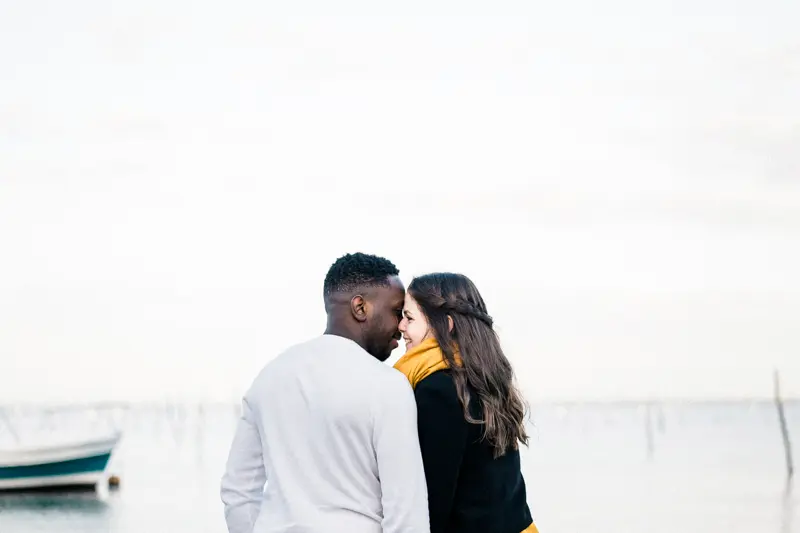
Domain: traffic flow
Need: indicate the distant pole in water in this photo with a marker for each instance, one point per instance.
(787, 444)
(648, 428)
(9, 426)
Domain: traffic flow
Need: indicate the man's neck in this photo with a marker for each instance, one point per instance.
(335, 327)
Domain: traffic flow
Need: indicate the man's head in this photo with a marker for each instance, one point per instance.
(364, 300)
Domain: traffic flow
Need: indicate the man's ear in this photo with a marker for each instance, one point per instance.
(358, 307)
(449, 323)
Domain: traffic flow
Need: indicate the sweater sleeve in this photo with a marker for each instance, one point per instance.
(443, 434)
(243, 482)
(400, 466)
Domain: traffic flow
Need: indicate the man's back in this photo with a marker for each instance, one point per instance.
(333, 432)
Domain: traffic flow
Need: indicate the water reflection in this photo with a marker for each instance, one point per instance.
(82, 502)
(787, 509)
(55, 512)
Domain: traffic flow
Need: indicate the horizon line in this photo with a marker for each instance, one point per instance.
(166, 402)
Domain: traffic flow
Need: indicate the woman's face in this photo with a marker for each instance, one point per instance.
(414, 326)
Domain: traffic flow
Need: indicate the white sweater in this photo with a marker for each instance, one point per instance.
(333, 434)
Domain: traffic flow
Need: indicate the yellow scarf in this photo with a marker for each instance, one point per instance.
(422, 361)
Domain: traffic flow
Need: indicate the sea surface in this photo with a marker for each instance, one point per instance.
(590, 468)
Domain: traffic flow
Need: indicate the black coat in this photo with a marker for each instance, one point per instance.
(469, 491)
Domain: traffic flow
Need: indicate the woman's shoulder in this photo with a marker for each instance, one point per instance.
(441, 379)
(439, 389)
(439, 384)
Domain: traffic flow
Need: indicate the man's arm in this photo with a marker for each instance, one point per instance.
(402, 476)
(242, 484)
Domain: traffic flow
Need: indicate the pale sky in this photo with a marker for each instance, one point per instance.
(621, 180)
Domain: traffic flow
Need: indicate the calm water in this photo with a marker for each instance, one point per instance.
(591, 469)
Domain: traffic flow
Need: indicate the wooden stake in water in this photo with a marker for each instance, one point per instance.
(648, 430)
(787, 444)
(9, 426)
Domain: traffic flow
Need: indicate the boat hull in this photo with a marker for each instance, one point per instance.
(73, 465)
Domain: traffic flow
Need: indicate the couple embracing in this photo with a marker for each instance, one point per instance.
(332, 439)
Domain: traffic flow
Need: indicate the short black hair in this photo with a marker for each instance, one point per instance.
(357, 270)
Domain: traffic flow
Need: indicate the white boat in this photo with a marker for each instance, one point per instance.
(81, 463)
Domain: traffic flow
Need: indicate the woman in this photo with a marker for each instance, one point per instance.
(470, 415)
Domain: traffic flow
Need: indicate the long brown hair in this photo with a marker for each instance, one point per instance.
(484, 367)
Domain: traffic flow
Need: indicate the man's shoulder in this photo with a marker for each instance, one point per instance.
(337, 354)
(391, 377)
(286, 359)
(314, 345)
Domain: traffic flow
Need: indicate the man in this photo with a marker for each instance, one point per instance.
(329, 428)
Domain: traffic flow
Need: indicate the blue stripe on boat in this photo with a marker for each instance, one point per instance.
(83, 465)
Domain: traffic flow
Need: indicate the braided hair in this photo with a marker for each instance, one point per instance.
(462, 307)
(484, 368)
